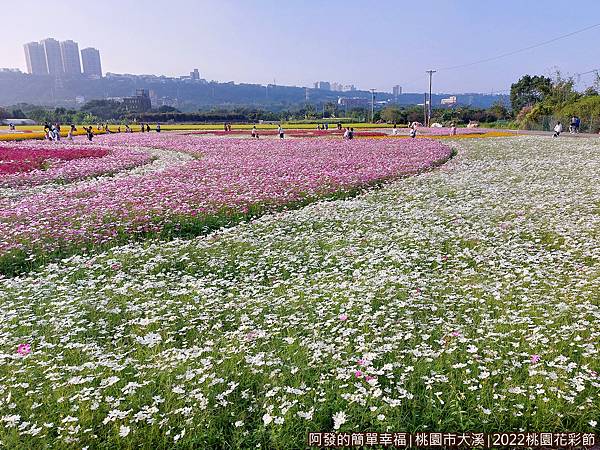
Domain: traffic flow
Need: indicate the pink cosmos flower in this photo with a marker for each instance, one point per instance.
(535, 359)
(358, 374)
(369, 378)
(361, 362)
(343, 317)
(455, 334)
(24, 349)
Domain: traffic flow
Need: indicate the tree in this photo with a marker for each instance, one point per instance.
(393, 114)
(499, 111)
(168, 109)
(3, 113)
(18, 114)
(104, 109)
(529, 90)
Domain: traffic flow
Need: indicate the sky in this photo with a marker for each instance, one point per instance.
(371, 44)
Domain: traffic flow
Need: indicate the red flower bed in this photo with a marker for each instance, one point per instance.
(24, 159)
(289, 133)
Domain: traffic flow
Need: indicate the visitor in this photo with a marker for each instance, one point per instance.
(413, 130)
(143, 128)
(339, 125)
(346, 133)
(558, 129)
(254, 133)
(281, 132)
(326, 126)
(119, 129)
(573, 125)
(225, 127)
(148, 128)
(57, 132)
(577, 124)
(452, 129)
(158, 127)
(127, 129)
(89, 133)
(72, 130)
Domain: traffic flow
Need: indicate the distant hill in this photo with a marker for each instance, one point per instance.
(189, 95)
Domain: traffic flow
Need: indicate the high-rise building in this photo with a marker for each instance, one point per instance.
(90, 57)
(35, 58)
(397, 90)
(195, 75)
(140, 103)
(325, 85)
(69, 51)
(53, 56)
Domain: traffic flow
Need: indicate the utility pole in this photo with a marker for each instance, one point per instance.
(430, 72)
(372, 105)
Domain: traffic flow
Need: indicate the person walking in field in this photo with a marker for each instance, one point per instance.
(346, 133)
(148, 128)
(254, 132)
(281, 132)
(558, 129)
(158, 127)
(72, 130)
(89, 133)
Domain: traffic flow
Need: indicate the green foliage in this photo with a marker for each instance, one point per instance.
(18, 114)
(104, 109)
(168, 109)
(529, 90)
(393, 114)
(587, 108)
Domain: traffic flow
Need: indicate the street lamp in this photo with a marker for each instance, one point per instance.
(372, 105)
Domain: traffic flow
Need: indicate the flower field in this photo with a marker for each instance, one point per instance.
(18, 159)
(38, 163)
(465, 298)
(230, 180)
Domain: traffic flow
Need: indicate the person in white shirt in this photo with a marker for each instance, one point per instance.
(346, 133)
(558, 129)
(281, 132)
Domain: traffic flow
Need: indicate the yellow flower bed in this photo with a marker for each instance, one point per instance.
(39, 134)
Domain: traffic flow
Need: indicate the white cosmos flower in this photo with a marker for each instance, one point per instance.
(124, 431)
(339, 418)
(267, 419)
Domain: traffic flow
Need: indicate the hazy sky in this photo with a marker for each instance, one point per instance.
(367, 43)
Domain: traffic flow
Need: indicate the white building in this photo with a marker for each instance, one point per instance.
(69, 51)
(35, 57)
(449, 101)
(53, 56)
(90, 58)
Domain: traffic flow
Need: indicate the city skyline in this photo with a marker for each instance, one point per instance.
(51, 57)
(298, 44)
